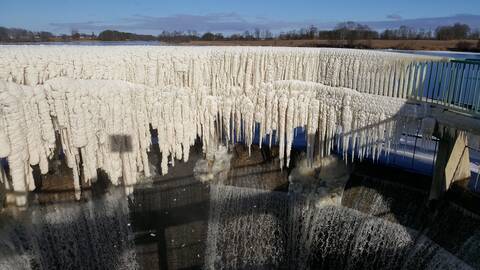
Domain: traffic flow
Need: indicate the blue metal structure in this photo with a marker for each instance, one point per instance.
(454, 84)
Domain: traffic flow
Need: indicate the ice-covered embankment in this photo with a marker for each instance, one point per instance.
(103, 101)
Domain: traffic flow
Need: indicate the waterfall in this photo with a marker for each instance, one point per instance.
(247, 229)
(83, 235)
(254, 229)
(102, 102)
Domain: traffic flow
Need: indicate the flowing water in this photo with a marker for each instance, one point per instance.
(86, 235)
(179, 222)
(254, 229)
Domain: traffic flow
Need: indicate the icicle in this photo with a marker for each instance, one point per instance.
(260, 116)
(227, 110)
(269, 109)
(346, 124)
(4, 141)
(289, 127)
(281, 131)
(312, 127)
(209, 92)
(323, 129)
(248, 120)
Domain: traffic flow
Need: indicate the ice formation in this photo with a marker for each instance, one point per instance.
(322, 182)
(218, 68)
(26, 135)
(213, 168)
(103, 102)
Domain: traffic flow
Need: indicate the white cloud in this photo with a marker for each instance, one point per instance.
(216, 22)
(233, 22)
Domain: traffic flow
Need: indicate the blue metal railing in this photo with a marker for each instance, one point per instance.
(454, 84)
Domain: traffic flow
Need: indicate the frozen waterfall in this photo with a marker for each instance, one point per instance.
(102, 102)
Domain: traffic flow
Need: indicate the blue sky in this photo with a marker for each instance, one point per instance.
(153, 16)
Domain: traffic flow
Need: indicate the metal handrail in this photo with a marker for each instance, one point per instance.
(454, 84)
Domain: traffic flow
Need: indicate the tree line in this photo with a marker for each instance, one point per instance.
(346, 33)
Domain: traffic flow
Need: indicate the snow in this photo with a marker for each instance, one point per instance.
(102, 102)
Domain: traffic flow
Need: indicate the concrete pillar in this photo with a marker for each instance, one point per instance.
(452, 163)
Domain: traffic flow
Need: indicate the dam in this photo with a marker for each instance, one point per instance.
(186, 158)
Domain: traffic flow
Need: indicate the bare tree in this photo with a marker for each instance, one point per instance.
(257, 33)
(75, 34)
(312, 31)
(457, 31)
